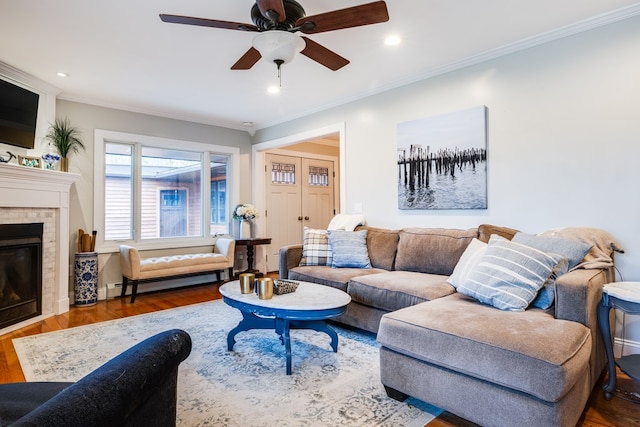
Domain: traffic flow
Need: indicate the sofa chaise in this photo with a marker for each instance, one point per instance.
(441, 344)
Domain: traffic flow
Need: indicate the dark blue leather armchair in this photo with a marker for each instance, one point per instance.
(136, 388)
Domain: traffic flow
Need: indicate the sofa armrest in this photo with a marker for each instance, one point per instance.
(290, 257)
(130, 262)
(578, 294)
(226, 247)
(138, 387)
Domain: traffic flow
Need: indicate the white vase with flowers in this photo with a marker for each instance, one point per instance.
(244, 214)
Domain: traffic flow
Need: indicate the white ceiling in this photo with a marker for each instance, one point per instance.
(119, 54)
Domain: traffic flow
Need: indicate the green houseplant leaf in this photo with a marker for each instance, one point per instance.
(64, 137)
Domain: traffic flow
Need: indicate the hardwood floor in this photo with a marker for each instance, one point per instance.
(598, 413)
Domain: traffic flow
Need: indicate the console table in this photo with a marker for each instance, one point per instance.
(250, 244)
(624, 296)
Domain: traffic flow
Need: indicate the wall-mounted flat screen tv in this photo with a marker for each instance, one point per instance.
(18, 115)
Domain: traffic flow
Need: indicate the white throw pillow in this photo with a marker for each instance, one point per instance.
(467, 262)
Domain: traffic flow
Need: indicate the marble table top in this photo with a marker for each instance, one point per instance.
(627, 291)
(308, 296)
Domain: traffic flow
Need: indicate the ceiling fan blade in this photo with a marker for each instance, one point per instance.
(276, 5)
(356, 16)
(322, 55)
(247, 60)
(203, 22)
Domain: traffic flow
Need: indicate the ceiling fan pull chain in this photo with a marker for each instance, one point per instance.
(279, 63)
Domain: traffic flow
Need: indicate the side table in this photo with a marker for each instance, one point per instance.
(250, 244)
(624, 296)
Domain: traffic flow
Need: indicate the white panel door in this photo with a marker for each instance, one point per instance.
(317, 193)
(284, 210)
(300, 193)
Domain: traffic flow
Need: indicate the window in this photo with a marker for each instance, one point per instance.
(152, 192)
(218, 205)
(170, 193)
(118, 192)
(318, 176)
(173, 213)
(283, 173)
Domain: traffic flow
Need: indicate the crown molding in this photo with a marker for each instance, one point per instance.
(26, 80)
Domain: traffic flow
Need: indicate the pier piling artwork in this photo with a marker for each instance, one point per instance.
(442, 161)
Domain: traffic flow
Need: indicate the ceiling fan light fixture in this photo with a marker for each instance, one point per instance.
(277, 45)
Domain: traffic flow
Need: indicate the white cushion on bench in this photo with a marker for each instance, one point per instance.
(136, 268)
(180, 264)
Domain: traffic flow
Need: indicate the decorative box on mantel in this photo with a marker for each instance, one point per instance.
(29, 195)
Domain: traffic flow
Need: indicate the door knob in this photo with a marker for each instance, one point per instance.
(299, 218)
(306, 218)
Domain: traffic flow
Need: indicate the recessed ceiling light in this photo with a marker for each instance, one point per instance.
(247, 124)
(273, 89)
(61, 74)
(392, 40)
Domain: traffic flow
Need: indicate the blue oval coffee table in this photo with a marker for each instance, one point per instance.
(307, 308)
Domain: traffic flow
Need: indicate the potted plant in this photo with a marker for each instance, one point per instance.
(65, 138)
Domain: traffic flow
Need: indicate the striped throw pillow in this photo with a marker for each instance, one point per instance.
(315, 248)
(509, 275)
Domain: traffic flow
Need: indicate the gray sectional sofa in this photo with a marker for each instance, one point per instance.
(493, 367)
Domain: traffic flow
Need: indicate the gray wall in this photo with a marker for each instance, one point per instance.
(563, 139)
(89, 117)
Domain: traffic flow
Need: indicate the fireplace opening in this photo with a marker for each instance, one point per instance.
(20, 272)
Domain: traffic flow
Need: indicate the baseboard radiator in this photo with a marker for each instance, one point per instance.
(114, 289)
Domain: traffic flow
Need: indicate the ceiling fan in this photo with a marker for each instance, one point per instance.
(277, 21)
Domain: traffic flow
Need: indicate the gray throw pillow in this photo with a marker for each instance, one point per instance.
(573, 250)
(349, 249)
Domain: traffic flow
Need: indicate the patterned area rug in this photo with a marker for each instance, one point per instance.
(244, 387)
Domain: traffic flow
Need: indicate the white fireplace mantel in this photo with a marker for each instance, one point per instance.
(23, 187)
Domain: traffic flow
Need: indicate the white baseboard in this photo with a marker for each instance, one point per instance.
(628, 346)
(113, 290)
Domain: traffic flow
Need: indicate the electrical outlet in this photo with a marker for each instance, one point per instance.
(240, 256)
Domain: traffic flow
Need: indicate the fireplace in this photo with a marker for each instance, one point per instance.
(20, 272)
(33, 195)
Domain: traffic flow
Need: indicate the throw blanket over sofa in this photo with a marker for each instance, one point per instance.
(422, 292)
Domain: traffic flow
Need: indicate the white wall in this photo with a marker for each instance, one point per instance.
(563, 132)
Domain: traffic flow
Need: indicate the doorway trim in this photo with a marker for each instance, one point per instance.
(258, 160)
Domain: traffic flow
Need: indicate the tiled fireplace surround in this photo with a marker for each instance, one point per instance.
(30, 195)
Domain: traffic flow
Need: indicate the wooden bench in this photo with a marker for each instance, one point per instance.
(136, 269)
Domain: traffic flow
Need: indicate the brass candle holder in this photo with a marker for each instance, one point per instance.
(247, 282)
(265, 288)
